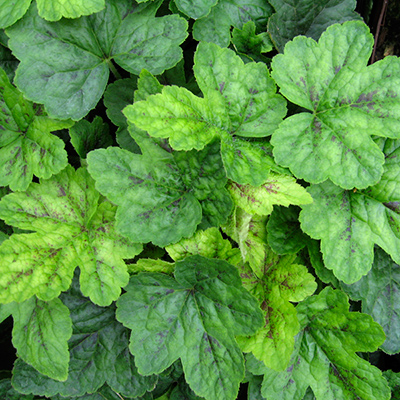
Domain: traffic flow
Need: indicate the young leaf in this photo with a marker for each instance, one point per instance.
(278, 189)
(40, 334)
(53, 10)
(325, 354)
(27, 146)
(162, 198)
(236, 106)
(379, 292)
(10, 11)
(71, 228)
(349, 224)
(307, 17)
(67, 65)
(193, 317)
(281, 281)
(98, 354)
(215, 27)
(348, 102)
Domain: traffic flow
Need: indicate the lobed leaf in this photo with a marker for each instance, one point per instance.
(53, 10)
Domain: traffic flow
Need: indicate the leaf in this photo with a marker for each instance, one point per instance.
(349, 224)
(87, 136)
(7, 392)
(215, 27)
(196, 9)
(347, 101)
(71, 227)
(236, 107)
(8, 62)
(394, 382)
(162, 197)
(277, 282)
(67, 65)
(10, 11)
(284, 233)
(98, 354)
(379, 292)
(193, 317)
(306, 17)
(278, 189)
(53, 10)
(40, 334)
(151, 265)
(27, 146)
(208, 243)
(325, 354)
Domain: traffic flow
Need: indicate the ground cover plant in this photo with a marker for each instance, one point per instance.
(199, 199)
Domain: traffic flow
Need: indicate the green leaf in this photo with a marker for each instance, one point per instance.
(71, 227)
(27, 146)
(67, 63)
(98, 354)
(7, 392)
(379, 292)
(348, 102)
(208, 243)
(284, 233)
(151, 265)
(53, 10)
(307, 17)
(87, 136)
(40, 334)
(278, 189)
(349, 224)
(236, 107)
(277, 282)
(215, 27)
(193, 317)
(394, 382)
(325, 354)
(11, 11)
(162, 198)
(196, 9)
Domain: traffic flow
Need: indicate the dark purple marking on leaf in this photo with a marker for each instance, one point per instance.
(169, 291)
(221, 87)
(101, 229)
(337, 69)
(61, 192)
(393, 205)
(271, 188)
(365, 99)
(136, 181)
(253, 91)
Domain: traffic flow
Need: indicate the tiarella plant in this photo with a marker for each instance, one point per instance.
(198, 197)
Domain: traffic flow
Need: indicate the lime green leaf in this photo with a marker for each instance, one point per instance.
(72, 229)
(379, 292)
(284, 233)
(67, 65)
(208, 243)
(281, 281)
(53, 10)
(236, 106)
(87, 136)
(151, 265)
(98, 354)
(349, 224)
(196, 9)
(27, 146)
(162, 198)
(307, 17)
(278, 189)
(171, 319)
(325, 354)
(40, 334)
(11, 11)
(215, 27)
(348, 102)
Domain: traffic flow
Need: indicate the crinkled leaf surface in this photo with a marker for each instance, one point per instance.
(87, 136)
(162, 197)
(70, 228)
(53, 10)
(394, 382)
(215, 27)
(284, 233)
(27, 146)
(195, 9)
(98, 354)
(277, 282)
(193, 317)
(379, 292)
(40, 334)
(307, 17)
(240, 102)
(349, 224)
(65, 64)
(278, 189)
(11, 11)
(325, 354)
(348, 102)
(9, 393)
